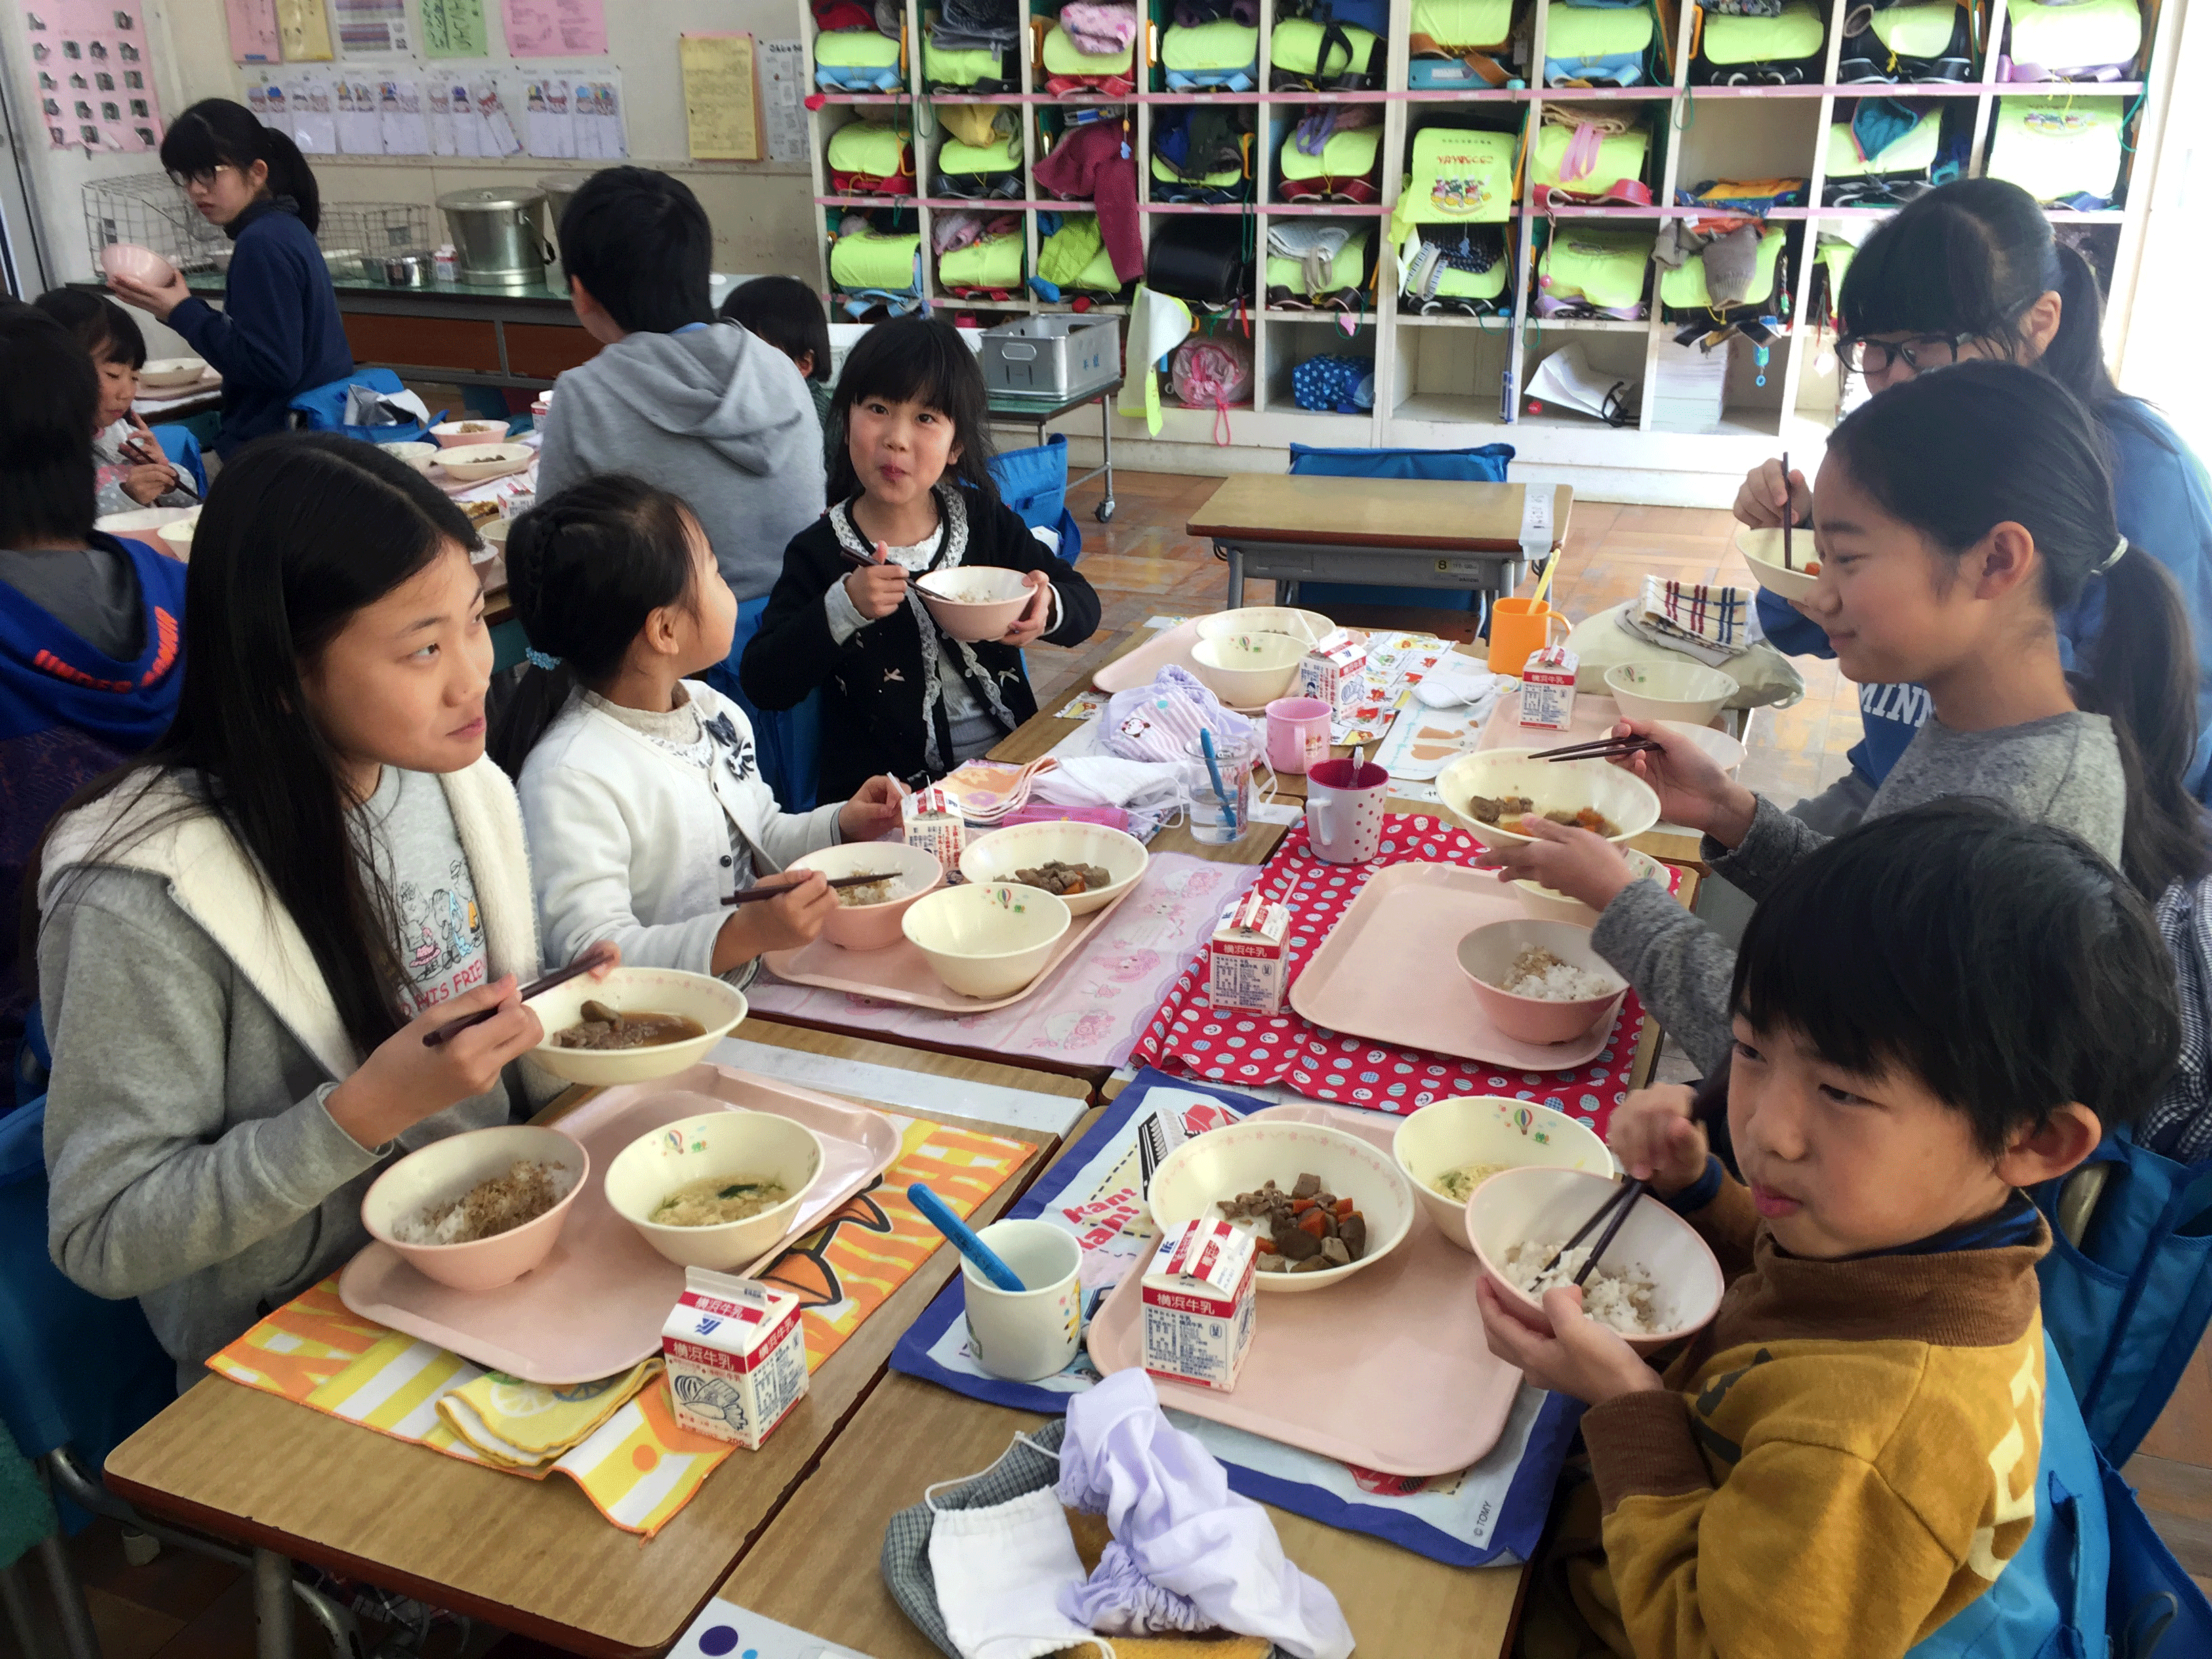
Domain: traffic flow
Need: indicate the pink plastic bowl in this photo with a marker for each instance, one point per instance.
(137, 264)
(874, 927)
(1486, 955)
(444, 1170)
(459, 435)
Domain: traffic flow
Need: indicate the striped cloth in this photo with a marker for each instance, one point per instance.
(1709, 623)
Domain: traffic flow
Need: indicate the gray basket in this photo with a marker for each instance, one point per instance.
(1056, 356)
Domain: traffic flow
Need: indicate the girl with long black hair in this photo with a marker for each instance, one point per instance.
(246, 934)
(277, 334)
(1967, 272)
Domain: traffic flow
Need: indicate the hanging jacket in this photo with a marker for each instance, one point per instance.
(1088, 165)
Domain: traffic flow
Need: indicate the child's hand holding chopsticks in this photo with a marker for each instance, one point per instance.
(878, 588)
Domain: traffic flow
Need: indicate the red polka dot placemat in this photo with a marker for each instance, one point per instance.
(1242, 1048)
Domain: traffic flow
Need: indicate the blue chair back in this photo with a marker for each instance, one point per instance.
(1033, 483)
(179, 444)
(322, 408)
(1483, 465)
(75, 1371)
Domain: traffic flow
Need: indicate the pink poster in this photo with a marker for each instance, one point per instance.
(556, 29)
(95, 86)
(253, 32)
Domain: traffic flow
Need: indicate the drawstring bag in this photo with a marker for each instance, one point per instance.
(2085, 40)
(857, 60)
(1336, 385)
(1212, 370)
(1595, 46)
(1456, 176)
(1782, 50)
(1930, 42)
(1223, 53)
(1305, 54)
(2063, 151)
(1685, 288)
(1587, 271)
(1161, 721)
(981, 172)
(866, 158)
(1344, 169)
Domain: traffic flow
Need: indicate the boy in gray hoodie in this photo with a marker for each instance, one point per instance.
(702, 409)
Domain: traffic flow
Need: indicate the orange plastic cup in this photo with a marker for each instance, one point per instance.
(1518, 629)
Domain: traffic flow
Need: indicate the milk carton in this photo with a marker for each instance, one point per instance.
(1247, 961)
(1198, 1294)
(736, 1354)
(1547, 689)
(933, 823)
(1335, 671)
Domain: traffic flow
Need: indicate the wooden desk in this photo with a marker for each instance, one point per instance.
(534, 1558)
(1412, 532)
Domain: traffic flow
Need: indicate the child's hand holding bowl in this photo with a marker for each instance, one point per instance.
(1031, 621)
(159, 301)
(1572, 1354)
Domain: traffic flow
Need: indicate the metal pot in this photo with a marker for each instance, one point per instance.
(498, 234)
(406, 270)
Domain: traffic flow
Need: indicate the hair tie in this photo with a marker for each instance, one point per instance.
(2118, 552)
(538, 659)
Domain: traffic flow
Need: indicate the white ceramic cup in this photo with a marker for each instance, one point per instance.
(1297, 734)
(1344, 817)
(1031, 1334)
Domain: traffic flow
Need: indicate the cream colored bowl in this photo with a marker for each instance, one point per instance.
(444, 1170)
(1686, 691)
(461, 434)
(737, 1145)
(478, 463)
(1762, 551)
(1725, 750)
(1548, 904)
(998, 854)
(1450, 1134)
(177, 534)
(1486, 956)
(974, 602)
(1246, 670)
(701, 997)
(162, 371)
(986, 938)
(417, 456)
(1304, 625)
(144, 523)
(874, 927)
(1624, 800)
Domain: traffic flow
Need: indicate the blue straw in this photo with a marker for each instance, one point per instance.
(1213, 771)
(939, 1215)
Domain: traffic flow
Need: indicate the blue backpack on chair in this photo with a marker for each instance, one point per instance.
(323, 409)
(1483, 465)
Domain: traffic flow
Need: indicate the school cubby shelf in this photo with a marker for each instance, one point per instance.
(1449, 379)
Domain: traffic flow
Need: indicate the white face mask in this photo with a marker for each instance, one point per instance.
(999, 1572)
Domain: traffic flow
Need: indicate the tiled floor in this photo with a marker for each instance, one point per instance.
(183, 1606)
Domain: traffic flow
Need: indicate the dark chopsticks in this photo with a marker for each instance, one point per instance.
(582, 964)
(758, 894)
(1626, 1201)
(1789, 512)
(1601, 749)
(1632, 1190)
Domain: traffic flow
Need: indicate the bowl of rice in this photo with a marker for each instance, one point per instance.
(870, 918)
(479, 1210)
(1449, 1147)
(1549, 904)
(717, 1189)
(1540, 982)
(974, 602)
(1657, 1283)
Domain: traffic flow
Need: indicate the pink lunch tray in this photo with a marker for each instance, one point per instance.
(1389, 971)
(1138, 667)
(1594, 717)
(595, 1306)
(900, 973)
(1389, 1370)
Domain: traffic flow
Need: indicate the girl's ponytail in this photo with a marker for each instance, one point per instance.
(1984, 443)
(222, 132)
(290, 175)
(584, 569)
(2076, 356)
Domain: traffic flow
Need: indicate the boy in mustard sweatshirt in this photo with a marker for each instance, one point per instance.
(1932, 1014)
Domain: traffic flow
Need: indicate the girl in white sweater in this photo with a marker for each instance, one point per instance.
(640, 788)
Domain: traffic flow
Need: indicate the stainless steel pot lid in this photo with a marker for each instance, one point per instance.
(487, 198)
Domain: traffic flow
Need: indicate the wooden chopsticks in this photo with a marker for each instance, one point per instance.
(582, 964)
(1618, 1203)
(1606, 748)
(760, 895)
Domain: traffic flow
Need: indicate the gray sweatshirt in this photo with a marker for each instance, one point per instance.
(2064, 770)
(192, 1158)
(712, 414)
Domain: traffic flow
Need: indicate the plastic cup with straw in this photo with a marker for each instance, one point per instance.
(1220, 789)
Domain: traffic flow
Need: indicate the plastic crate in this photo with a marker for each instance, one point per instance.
(1054, 356)
(151, 210)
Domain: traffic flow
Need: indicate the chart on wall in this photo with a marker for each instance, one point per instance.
(477, 111)
(95, 84)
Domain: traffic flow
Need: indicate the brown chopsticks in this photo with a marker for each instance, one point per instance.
(757, 895)
(1618, 1203)
(582, 964)
(1789, 513)
(1608, 748)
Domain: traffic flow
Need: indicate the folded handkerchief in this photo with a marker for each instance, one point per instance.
(526, 1425)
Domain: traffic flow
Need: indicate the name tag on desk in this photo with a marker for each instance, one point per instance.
(725, 1630)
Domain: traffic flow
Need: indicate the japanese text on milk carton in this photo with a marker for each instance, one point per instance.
(1335, 671)
(736, 1354)
(1547, 689)
(1246, 960)
(1198, 1296)
(933, 823)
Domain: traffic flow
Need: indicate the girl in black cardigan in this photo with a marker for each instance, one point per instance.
(914, 494)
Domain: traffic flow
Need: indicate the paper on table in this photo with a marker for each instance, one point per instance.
(556, 29)
(399, 118)
(253, 31)
(304, 29)
(784, 87)
(720, 107)
(454, 28)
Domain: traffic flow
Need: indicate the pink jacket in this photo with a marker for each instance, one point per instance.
(1087, 164)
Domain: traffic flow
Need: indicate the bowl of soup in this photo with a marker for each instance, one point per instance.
(717, 1189)
(1449, 1147)
(635, 1025)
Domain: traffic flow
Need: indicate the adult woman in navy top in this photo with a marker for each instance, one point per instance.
(1971, 270)
(277, 334)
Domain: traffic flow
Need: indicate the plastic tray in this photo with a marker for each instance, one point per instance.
(1170, 645)
(596, 1305)
(1389, 971)
(900, 973)
(1389, 1370)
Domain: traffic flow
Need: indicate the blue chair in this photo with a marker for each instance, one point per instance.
(78, 1375)
(1483, 465)
(1033, 483)
(179, 444)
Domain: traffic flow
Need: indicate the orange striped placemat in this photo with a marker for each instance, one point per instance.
(637, 1467)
